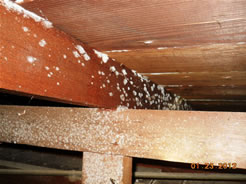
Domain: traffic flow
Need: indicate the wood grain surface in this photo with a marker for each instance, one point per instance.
(180, 136)
(106, 169)
(37, 59)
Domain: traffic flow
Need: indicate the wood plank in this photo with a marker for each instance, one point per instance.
(106, 169)
(37, 59)
(115, 24)
(224, 57)
(204, 79)
(213, 92)
(219, 105)
(181, 136)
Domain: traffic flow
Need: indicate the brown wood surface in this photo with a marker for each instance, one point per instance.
(106, 169)
(211, 92)
(203, 79)
(45, 62)
(115, 24)
(181, 136)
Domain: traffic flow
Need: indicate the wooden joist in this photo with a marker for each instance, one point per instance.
(106, 169)
(181, 136)
(37, 59)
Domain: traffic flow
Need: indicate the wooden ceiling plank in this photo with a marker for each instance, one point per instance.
(213, 92)
(180, 136)
(102, 168)
(205, 79)
(37, 59)
(117, 25)
(224, 57)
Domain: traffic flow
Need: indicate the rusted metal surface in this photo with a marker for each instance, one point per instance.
(106, 169)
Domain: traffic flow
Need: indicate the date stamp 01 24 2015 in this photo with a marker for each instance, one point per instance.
(212, 166)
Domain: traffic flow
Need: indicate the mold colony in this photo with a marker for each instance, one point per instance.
(127, 87)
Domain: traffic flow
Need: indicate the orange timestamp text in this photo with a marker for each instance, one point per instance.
(224, 165)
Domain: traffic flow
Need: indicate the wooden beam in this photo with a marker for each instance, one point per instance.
(203, 79)
(106, 169)
(223, 57)
(180, 136)
(37, 59)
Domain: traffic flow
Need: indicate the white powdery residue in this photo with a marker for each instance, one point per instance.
(134, 93)
(65, 56)
(57, 68)
(42, 43)
(110, 94)
(86, 57)
(58, 83)
(76, 54)
(31, 59)
(108, 81)
(25, 29)
(140, 95)
(124, 72)
(121, 108)
(80, 49)
(125, 81)
(241, 43)
(19, 1)
(122, 97)
(112, 69)
(11, 6)
(148, 42)
(82, 64)
(162, 48)
(124, 50)
(104, 57)
(46, 68)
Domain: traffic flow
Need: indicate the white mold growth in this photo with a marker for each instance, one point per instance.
(46, 68)
(148, 41)
(83, 52)
(124, 72)
(110, 94)
(31, 59)
(112, 69)
(25, 29)
(125, 81)
(65, 56)
(124, 50)
(42, 43)
(104, 57)
(162, 48)
(76, 54)
(11, 6)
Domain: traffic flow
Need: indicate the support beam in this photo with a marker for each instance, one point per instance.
(106, 169)
(37, 59)
(180, 136)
